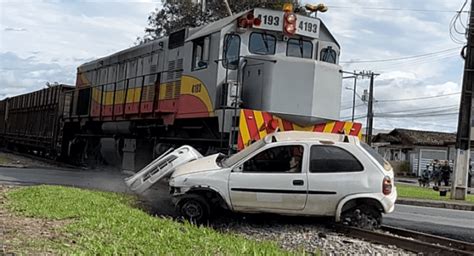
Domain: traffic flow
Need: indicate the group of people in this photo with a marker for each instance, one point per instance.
(438, 172)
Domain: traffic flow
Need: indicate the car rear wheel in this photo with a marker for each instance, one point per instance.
(364, 216)
(194, 208)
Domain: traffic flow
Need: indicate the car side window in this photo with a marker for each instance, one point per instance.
(281, 159)
(324, 159)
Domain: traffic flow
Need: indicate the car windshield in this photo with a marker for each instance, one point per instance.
(228, 162)
(386, 165)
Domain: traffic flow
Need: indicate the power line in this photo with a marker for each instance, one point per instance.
(430, 108)
(350, 107)
(417, 115)
(453, 30)
(393, 9)
(402, 58)
(415, 62)
(419, 98)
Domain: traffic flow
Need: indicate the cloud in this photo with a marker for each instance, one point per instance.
(9, 29)
(20, 75)
(402, 100)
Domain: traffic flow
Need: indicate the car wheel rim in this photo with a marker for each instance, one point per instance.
(192, 210)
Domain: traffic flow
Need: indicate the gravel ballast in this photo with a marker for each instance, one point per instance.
(310, 234)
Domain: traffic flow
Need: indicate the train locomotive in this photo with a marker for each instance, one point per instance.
(218, 87)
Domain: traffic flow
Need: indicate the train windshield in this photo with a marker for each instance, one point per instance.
(299, 48)
(263, 44)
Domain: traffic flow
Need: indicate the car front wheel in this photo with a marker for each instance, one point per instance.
(194, 208)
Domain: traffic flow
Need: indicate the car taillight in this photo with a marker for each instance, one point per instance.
(289, 25)
(387, 186)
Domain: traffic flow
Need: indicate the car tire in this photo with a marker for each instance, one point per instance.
(194, 208)
(364, 216)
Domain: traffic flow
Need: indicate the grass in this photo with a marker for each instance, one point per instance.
(416, 192)
(3, 160)
(104, 223)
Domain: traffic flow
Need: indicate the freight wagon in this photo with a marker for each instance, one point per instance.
(218, 87)
(33, 121)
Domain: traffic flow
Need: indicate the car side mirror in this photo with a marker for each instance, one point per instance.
(238, 168)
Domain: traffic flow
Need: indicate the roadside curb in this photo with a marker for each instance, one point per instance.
(12, 166)
(436, 204)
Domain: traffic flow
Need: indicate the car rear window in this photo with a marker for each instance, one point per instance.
(333, 159)
(375, 155)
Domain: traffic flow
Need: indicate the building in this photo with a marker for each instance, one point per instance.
(410, 151)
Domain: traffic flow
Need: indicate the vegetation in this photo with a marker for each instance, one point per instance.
(101, 223)
(174, 15)
(3, 160)
(416, 192)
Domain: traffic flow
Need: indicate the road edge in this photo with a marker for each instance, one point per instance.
(436, 204)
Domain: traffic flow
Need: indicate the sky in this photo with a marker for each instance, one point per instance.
(407, 42)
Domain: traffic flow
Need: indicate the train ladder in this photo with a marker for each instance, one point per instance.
(161, 167)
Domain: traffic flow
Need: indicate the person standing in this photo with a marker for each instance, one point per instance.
(445, 172)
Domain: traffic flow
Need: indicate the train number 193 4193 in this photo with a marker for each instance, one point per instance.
(308, 26)
(269, 20)
(196, 88)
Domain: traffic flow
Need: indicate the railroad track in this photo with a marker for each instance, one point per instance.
(411, 240)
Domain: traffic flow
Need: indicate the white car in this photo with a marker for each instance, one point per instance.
(290, 173)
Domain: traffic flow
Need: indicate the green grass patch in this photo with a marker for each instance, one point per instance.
(106, 223)
(3, 160)
(416, 192)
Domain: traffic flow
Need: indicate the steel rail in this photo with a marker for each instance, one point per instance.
(410, 240)
(448, 242)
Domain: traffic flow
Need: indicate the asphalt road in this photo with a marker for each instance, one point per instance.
(450, 223)
(455, 224)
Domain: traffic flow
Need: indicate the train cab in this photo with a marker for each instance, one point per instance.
(262, 59)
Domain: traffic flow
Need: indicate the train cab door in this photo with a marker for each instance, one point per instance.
(271, 179)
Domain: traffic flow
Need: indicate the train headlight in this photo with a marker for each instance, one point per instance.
(291, 18)
(290, 29)
(289, 24)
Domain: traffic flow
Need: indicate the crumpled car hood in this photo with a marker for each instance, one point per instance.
(204, 164)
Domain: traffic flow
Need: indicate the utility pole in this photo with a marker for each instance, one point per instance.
(354, 96)
(370, 110)
(463, 137)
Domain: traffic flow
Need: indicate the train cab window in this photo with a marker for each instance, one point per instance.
(231, 51)
(263, 44)
(299, 48)
(328, 54)
(201, 53)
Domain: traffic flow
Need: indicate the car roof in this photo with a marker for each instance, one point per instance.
(302, 136)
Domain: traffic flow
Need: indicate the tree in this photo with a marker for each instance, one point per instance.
(175, 15)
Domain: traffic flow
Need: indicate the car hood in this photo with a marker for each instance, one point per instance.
(204, 164)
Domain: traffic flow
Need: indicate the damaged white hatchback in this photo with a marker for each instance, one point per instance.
(290, 173)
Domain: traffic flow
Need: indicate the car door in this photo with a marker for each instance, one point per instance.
(266, 180)
(334, 173)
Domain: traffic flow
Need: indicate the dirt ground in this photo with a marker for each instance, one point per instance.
(12, 160)
(20, 235)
